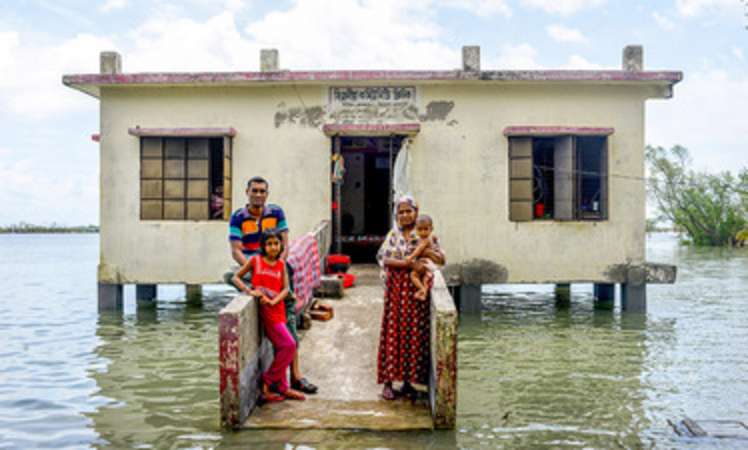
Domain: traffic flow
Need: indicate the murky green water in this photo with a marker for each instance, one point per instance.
(530, 375)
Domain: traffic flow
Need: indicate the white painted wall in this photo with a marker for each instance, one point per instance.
(459, 175)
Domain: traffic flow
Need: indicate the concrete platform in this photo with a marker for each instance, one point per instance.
(339, 356)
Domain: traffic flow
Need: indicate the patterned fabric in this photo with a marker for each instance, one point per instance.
(395, 246)
(247, 228)
(404, 340)
(303, 257)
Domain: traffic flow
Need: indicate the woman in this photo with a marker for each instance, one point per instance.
(404, 337)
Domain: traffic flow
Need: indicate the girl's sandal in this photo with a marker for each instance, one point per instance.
(267, 395)
(271, 397)
(293, 394)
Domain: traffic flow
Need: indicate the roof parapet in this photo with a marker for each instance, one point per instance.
(110, 63)
(633, 58)
(471, 58)
(269, 61)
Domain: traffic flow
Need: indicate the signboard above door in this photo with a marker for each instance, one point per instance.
(373, 104)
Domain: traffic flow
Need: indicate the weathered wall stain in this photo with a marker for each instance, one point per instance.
(475, 272)
(437, 111)
(308, 117)
(638, 274)
(316, 116)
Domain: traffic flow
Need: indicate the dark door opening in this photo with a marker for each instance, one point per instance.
(365, 194)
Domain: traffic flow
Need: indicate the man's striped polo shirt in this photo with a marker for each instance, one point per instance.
(247, 228)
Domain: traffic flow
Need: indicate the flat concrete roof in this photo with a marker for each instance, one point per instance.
(91, 83)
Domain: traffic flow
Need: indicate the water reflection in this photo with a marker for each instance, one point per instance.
(161, 376)
(530, 375)
(533, 374)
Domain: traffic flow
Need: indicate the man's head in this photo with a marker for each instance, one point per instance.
(257, 192)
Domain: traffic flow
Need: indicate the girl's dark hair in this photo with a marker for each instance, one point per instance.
(267, 234)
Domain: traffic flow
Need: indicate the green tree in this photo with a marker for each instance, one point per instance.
(710, 208)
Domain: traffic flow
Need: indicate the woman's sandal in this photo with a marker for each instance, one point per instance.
(389, 394)
(409, 391)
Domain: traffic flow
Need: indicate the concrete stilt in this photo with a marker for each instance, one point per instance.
(634, 297)
(562, 292)
(110, 297)
(194, 294)
(469, 298)
(605, 295)
(145, 292)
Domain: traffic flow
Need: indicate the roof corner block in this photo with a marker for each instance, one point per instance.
(269, 60)
(110, 63)
(633, 58)
(471, 58)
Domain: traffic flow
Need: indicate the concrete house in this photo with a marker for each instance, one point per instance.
(530, 176)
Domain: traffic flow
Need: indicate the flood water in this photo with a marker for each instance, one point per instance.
(530, 374)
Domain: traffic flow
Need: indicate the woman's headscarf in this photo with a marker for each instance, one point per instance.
(407, 199)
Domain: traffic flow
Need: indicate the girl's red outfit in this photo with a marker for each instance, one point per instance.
(269, 279)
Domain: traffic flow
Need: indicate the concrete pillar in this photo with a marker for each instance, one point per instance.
(562, 293)
(145, 292)
(110, 63)
(471, 58)
(110, 297)
(469, 298)
(194, 294)
(634, 297)
(269, 60)
(604, 295)
(633, 58)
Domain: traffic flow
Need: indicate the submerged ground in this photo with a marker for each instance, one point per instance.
(529, 374)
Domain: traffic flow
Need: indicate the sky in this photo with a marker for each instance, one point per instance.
(49, 164)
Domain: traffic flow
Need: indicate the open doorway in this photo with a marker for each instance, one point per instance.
(365, 200)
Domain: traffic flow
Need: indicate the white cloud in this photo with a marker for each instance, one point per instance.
(28, 193)
(693, 8)
(706, 115)
(737, 52)
(518, 57)
(663, 22)
(30, 74)
(562, 7)
(166, 43)
(561, 33)
(360, 41)
(484, 8)
(577, 62)
(525, 57)
(111, 5)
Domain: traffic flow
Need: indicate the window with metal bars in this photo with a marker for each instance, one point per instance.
(558, 178)
(185, 178)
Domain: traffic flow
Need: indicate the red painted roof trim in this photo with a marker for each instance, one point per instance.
(557, 131)
(182, 132)
(86, 82)
(371, 129)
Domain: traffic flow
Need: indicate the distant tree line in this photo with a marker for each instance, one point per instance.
(710, 209)
(23, 227)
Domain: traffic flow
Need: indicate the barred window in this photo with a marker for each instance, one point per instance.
(185, 178)
(558, 178)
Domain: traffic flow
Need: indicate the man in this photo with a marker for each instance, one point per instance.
(245, 229)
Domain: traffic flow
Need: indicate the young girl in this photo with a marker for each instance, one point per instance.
(270, 285)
